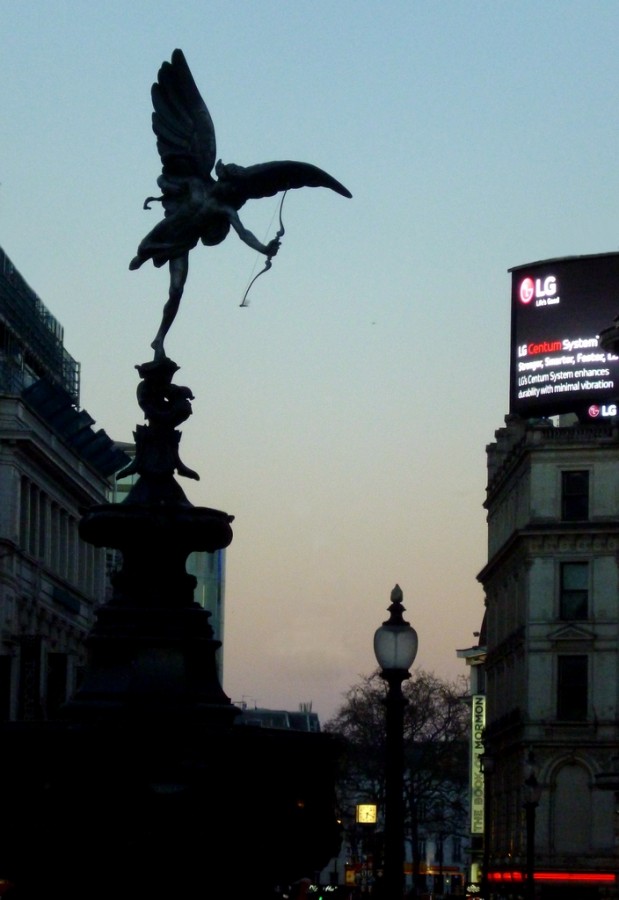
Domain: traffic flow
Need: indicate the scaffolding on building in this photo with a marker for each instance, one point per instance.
(31, 339)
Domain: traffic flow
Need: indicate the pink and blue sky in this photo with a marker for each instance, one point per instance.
(343, 417)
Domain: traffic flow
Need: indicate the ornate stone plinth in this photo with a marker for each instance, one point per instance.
(152, 647)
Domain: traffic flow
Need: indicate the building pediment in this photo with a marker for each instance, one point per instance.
(571, 632)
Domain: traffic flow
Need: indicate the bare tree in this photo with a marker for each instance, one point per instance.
(436, 723)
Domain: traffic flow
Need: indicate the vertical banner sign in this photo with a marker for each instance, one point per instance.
(478, 722)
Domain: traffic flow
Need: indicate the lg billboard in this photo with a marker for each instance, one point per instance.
(559, 308)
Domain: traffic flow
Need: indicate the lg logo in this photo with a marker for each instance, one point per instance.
(608, 410)
(538, 288)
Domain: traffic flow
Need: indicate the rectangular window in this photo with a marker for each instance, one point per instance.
(572, 675)
(56, 681)
(574, 496)
(42, 546)
(574, 590)
(456, 852)
(24, 514)
(5, 687)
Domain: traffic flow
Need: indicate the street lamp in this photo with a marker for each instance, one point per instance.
(395, 647)
(532, 791)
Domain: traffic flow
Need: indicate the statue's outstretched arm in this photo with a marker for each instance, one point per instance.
(248, 238)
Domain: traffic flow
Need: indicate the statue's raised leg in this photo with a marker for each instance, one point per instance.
(179, 268)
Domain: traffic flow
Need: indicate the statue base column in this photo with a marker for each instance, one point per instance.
(152, 648)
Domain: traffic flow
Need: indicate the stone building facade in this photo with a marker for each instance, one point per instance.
(551, 585)
(53, 464)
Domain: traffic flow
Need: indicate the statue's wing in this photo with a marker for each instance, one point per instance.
(181, 122)
(266, 179)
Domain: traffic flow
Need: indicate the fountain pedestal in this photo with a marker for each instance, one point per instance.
(145, 787)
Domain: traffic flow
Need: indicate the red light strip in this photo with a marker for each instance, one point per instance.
(607, 877)
(575, 876)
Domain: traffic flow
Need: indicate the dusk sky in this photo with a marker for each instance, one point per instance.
(342, 418)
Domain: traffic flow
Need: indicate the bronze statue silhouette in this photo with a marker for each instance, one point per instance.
(198, 206)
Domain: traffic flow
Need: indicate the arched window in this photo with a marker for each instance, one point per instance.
(572, 807)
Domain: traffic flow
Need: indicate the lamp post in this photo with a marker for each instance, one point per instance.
(365, 819)
(531, 797)
(395, 647)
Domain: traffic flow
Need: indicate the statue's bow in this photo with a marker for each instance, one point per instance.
(269, 260)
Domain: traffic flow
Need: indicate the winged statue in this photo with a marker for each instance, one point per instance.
(197, 206)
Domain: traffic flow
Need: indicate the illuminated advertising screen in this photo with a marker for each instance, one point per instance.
(559, 308)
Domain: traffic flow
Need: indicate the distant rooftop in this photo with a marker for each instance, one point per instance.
(301, 720)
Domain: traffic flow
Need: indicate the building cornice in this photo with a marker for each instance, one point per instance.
(550, 538)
